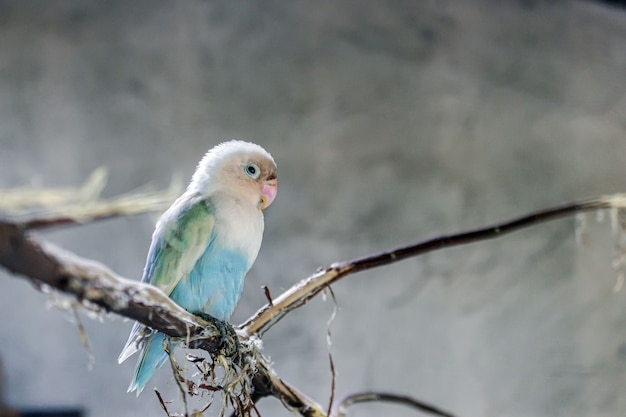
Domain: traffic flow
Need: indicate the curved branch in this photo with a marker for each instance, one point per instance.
(362, 397)
(268, 383)
(308, 288)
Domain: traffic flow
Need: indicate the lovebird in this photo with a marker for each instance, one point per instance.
(205, 243)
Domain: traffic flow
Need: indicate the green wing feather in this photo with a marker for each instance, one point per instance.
(180, 239)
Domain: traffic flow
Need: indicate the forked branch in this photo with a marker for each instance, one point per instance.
(94, 284)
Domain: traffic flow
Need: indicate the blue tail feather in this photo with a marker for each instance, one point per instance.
(152, 357)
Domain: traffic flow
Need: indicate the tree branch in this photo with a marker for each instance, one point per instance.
(308, 288)
(92, 283)
(362, 397)
(268, 383)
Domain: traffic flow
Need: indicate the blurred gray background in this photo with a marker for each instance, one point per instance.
(391, 122)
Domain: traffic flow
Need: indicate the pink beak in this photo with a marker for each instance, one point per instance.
(268, 194)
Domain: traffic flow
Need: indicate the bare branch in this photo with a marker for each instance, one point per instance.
(308, 288)
(329, 343)
(268, 296)
(163, 406)
(361, 397)
(92, 282)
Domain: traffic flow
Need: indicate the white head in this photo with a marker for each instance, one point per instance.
(238, 167)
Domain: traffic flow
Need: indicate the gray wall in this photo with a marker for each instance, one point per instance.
(391, 122)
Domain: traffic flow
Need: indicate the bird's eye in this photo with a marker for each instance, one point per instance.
(252, 171)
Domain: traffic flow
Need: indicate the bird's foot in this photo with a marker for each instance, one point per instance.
(227, 333)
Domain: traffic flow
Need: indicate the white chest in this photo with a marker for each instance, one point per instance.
(239, 225)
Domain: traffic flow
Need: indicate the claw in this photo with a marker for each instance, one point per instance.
(223, 327)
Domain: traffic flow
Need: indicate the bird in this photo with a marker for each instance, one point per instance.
(205, 243)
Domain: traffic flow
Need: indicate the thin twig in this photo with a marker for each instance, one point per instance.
(361, 397)
(83, 336)
(163, 406)
(176, 372)
(329, 343)
(268, 296)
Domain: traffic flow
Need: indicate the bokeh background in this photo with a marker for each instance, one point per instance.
(391, 122)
